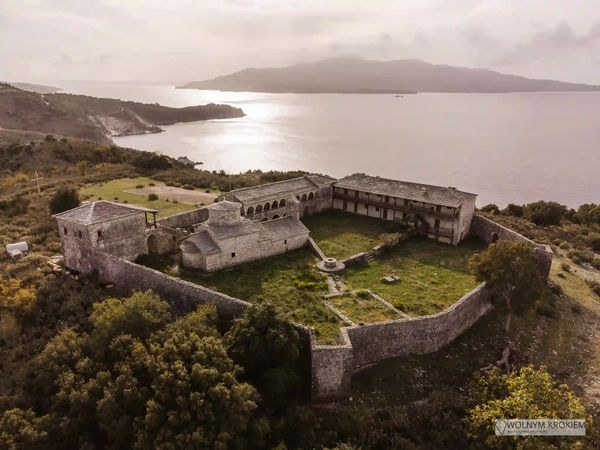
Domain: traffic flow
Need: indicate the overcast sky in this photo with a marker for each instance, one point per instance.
(184, 40)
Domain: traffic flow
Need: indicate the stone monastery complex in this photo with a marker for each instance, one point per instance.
(257, 222)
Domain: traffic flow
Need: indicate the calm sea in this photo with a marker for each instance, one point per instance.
(516, 147)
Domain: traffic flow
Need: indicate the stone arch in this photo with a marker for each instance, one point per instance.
(267, 207)
(275, 216)
(303, 199)
(259, 208)
(298, 197)
(250, 210)
(153, 244)
(282, 203)
(274, 205)
(311, 196)
(264, 219)
(284, 215)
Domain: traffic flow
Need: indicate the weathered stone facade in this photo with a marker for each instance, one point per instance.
(299, 196)
(110, 227)
(439, 213)
(227, 239)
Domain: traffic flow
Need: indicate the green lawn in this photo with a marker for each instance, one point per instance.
(291, 281)
(363, 309)
(114, 191)
(341, 235)
(432, 275)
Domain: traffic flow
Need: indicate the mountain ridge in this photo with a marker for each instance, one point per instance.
(358, 75)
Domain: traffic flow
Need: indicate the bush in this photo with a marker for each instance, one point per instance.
(544, 213)
(139, 186)
(564, 266)
(513, 210)
(593, 240)
(589, 213)
(491, 208)
(151, 184)
(64, 198)
(152, 197)
(363, 293)
(189, 187)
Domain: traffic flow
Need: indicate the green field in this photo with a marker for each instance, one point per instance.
(432, 275)
(341, 235)
(290, 281)
(363, 308)
(114, 191)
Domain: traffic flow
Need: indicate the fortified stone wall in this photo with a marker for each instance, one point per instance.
(185, 219)
(375, 342)
(487, 231)
(183, 295)
(365, 345)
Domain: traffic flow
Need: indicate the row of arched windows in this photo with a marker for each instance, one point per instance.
(305, 197)
(266, 207)
(279, 204)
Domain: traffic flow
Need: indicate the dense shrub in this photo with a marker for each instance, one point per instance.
(148, 160)
(513, 210)
(64, 198)
(139, 186)
(589, 213)
(152, 197)
(14, 206)
(189, 187)
(544, 213)
(491, 208)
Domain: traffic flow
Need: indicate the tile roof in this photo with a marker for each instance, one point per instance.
(280, 189)
(283, 228)
(100, 211)
(200, 242)
(426, 193)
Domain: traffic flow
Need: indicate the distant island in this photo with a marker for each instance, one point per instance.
(96, 119)
(357, 75)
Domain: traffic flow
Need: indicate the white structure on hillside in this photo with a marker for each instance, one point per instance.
(227, 239)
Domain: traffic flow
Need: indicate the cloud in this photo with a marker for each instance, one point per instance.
(548, 43)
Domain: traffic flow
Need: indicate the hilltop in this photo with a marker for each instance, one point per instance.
(96, 119)
(357, 75)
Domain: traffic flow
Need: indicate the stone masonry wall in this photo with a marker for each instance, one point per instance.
(183, 295)
(185, 219)
(484, 229)
(379, 341)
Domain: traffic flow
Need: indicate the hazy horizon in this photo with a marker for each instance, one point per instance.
(152, 41)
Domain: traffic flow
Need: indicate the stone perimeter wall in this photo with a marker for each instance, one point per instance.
(487, 230)
(332, 366)
(361, 346)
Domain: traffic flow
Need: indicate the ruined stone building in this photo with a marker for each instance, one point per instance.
(114, 228)
(227, 239)
(440, 213)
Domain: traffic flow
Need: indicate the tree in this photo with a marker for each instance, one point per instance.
(511, 274)
(544, 213)
(265, 344)
(513, 210)
(23, 430)
(139, 316)
(64, 198)
(530, 393)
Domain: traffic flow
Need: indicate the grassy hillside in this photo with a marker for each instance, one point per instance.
(94, 118)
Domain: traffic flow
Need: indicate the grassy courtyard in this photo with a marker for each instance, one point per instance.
(290, 281)
(432, 275)
(362, 308)
(114, 190)
(341, 235)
